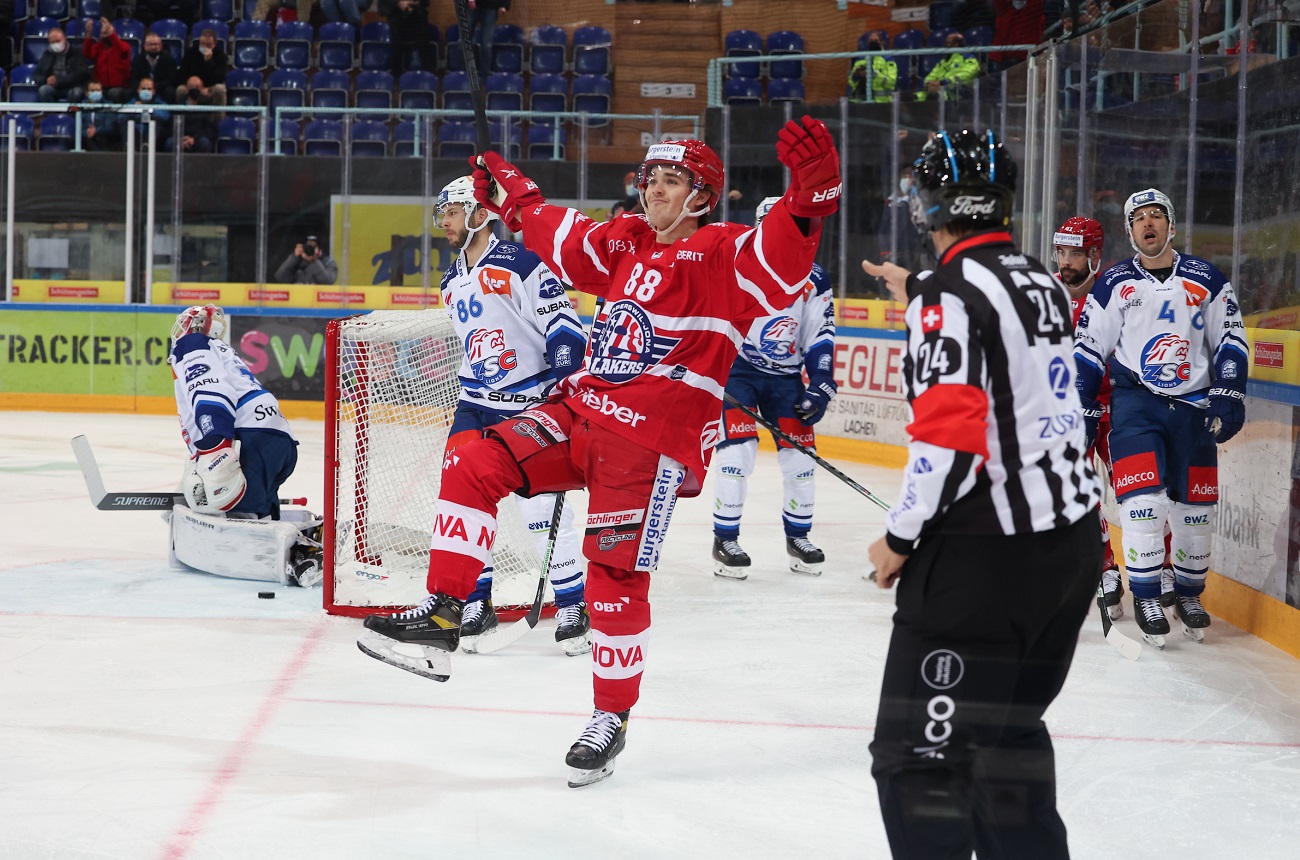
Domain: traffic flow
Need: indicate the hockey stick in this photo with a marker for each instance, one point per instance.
(473, 71)
(504, 637)
(107, 501)
(1130, 648)
(799, 446)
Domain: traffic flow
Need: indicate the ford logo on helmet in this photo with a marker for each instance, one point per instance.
(971, 205)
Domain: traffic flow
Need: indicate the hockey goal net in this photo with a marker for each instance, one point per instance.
(391, 392)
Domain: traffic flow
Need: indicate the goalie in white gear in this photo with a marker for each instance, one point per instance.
(767, 378)
(241, 453)
(521, 335)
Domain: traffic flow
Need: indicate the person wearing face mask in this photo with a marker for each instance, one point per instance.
(198, 128)
(62, 74)
(953, 71)
(900, 230)
(111, 58)
(158, 65)
(1018, 22)
(100, 129)
(207, 61)
(873, 78)
(146, 96)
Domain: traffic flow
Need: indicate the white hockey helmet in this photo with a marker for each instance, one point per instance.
(1148, 197)
(201, 319)
(763, 208)
(460, 190)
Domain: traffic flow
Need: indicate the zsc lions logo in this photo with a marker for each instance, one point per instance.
(488, 357)
(777, 339)
(1164, 361)
(626, 344)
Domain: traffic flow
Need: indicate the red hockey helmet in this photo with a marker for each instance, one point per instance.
(1080, 232)
(696, 156)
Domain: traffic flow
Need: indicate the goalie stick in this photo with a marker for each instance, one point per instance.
(107, 501)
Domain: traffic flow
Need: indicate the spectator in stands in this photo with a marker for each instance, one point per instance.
(157, 65)
(879, 72)
(198, 128)
(206, 61)
(617, 208)
(283, 10)
(484, 16)
(953, 72)
(308, 264)
(100, 131)
(408, 27)
(344, 10)
(972, 13)
(631, 197)
(1019, 22)
(62, 74)
(148, 11)
(146, 95)
(909, 239)
(111, 57)
(741, 207)
(6, 27)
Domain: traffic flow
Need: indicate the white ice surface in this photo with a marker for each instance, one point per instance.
(152, 713)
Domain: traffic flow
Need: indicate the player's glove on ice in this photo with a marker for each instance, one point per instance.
(502, 188)
(807, 149)
(213, 481)
(1091, 418)
(1227, 413)
(812, 406)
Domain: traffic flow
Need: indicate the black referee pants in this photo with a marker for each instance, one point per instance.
(984, 633)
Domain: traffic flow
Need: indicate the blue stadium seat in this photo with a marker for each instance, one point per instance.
(979, 36)
(244, 87)
(252, 45)
(907, 40)
(36, 37)
(172, 33)
(374, 90)
(216, 10)
(22, 84)
(547, 93)
(418, 90)
(220, 29)
(330, 88)
(293, 45)
(457, 139)
(542, 141)
(322, 137)
(375, 46)
(404, 140)
(505, 91)
(236, 135)
(743, 43)
(506, 138)
(22, 129)
(785, 90)
(591, 46)
(130, 31)
(92, 9)
(335, 47)
(508, 49)
(59, 10)
(286, 88)
(288, 138)
(941, 13)
(938, 37)
(592, 94)
(455, 93)
(742, 91)
(784, 42)
(548, 50)
(369, 139)
(75, 30)
(57, 130)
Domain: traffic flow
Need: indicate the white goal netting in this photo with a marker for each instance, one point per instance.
(391, 394)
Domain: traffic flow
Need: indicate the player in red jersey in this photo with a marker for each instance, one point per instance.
(1078, 245)
(637, 424)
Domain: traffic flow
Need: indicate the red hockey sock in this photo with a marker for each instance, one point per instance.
(618, 601)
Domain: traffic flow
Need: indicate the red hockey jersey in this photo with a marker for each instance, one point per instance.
(674, 318)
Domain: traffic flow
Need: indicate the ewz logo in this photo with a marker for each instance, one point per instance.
(488, 357)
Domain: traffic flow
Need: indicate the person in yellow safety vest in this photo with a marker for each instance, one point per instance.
(952, 71)
(883, 77)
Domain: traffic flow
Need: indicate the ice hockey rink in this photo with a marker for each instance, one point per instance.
(154, 713)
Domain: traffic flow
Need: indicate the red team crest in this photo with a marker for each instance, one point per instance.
(931, 318)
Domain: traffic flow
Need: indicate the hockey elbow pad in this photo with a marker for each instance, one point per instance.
(1226, 414)
(213, 480)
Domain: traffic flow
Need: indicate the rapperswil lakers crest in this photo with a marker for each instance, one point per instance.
(626, 344)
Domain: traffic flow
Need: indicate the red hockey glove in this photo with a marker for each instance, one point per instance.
(503, 188)
(807, 149)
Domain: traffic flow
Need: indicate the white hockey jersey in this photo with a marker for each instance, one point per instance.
(519, 329)
(781, 343)
(1177, 338)
(216, 393)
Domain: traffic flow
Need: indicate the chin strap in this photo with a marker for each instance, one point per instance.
(681, 216)
(1168, 239)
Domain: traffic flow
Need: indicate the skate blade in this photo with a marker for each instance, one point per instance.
(725, 572)
(1196, 634)
(435, 664)
(1155, 639)
(577, 645)
(803, 569)
(579, 778)
(469, 644)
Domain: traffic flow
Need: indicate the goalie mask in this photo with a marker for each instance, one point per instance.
(209, 320)
(965, 179)
(461, 190)
(701, 165)
(1080, 234)
(1141, 199)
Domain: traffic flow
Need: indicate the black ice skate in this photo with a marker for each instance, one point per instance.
(805, 557)
(1194, 617)
(479, 617)
(1151, 619)
(730, 559)
(1167, 596)
(573, 629)
(432, 629)
(306, 566)
(1112, 587)
(592, 757)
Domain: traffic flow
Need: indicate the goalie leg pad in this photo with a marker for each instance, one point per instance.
(237, 548)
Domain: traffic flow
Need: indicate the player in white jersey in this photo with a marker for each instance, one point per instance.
(1168, 330)
(766, 377)
(241, 452)
(521, 335)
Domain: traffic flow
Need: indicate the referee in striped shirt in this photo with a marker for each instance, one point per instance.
(993, 538)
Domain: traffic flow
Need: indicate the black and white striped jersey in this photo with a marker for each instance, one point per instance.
(997, 429)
